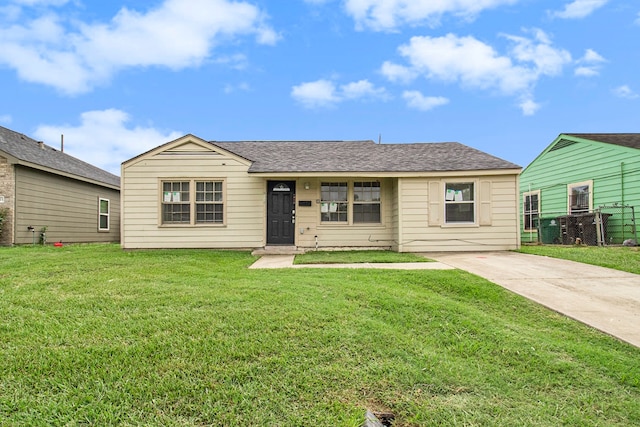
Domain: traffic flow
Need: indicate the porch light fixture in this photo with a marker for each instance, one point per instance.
(306, 186)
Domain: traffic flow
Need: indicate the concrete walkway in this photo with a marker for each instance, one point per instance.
(605, 299)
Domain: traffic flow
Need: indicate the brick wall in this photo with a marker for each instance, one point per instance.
(7, 186)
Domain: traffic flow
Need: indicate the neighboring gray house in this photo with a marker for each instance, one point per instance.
(44, 188)
(192, 193)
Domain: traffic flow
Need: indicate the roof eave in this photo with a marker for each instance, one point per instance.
(67, 174)
(387, 174)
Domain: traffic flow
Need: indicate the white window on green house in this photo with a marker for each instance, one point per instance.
(580, 197)
(459, 202)
(179, 207)
(366, 202)
(103, 214)
(334, 202)
(531, 210)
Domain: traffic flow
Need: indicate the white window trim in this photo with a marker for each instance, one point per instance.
(192, 203)
(100, 214)
(580, 184)
(524, 213)
(473, 223)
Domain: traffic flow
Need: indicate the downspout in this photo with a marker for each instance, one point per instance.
(622, 182)
(530, 225)
(622, 197)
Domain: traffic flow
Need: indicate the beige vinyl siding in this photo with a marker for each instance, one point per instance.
(396, 207)
(408, 219)
(422, 220)
(244, 200)
(343, 235)
(67, 207)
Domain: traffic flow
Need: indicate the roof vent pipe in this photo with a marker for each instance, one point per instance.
(41, 144)
(62, 143)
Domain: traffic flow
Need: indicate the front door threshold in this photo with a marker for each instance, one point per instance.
(278, 250)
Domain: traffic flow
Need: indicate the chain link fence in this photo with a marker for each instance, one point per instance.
(607, 225)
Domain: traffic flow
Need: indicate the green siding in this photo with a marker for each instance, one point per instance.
(614, 170)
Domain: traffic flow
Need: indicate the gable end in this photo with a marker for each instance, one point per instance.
(563, 143)
(189, 148)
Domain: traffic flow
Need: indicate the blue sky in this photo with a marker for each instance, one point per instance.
(503, 76)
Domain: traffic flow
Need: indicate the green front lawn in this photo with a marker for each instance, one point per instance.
(93, 335)
(358, 256)
(616, 257)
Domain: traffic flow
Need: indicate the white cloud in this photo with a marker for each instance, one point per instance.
(476, 65)
(589, 65)
(321, 93)
(582, 71)
(6, 119)
(547, 60)
(387, 15)
(415, 99)
(579, 9)
(325, 93)
(625, 92)
(591, 55)
(398, 73)
(103, 139)
(361, 89)
(529, 107)
(465, 60)
(75, 57)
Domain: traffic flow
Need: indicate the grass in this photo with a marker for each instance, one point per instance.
(92, 335)
(616, 257)
(357, 256)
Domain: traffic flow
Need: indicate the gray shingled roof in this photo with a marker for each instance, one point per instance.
(31, 151)
(631, 140)
(361, 156)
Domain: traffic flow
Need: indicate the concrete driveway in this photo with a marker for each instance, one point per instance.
(606, 299)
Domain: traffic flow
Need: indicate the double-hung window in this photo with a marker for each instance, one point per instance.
(356, 202)
(209, 206)
(580, 198)
(334, 205)
(531, 209)
(459, 202)
(176, 204)
(366, 202)
(103, 214)
(179, 206)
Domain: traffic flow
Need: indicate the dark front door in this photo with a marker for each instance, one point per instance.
(281, 204)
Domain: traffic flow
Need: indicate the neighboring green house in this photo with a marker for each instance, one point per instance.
(582, 188)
